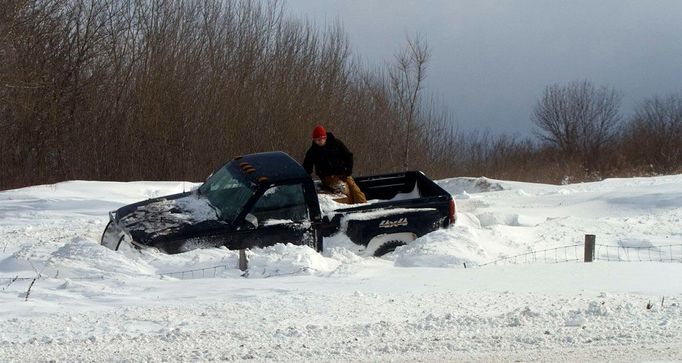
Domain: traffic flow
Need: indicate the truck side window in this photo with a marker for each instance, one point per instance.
(284, 202)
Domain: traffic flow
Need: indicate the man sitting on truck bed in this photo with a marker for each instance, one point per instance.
(333, 163)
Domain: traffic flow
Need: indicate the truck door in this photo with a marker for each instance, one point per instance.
(281, 216)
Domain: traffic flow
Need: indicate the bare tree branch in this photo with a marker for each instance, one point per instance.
(407, 80)
(579, 119)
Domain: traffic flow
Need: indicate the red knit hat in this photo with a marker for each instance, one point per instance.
(319, 132)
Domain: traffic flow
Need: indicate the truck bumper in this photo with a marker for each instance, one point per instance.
(113, 235)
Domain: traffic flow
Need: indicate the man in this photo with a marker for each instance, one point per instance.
(333, 163)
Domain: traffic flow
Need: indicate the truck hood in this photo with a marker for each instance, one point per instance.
(155, 218)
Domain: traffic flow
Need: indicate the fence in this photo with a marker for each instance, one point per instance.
(665, 253)
(569, 253)
(243, 266)
(8, 281)
(593, 251)
(208, 272)
(587, 252)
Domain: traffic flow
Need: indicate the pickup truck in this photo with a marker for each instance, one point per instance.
(259, 200)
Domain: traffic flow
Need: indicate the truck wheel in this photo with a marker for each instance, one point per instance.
(388, 247)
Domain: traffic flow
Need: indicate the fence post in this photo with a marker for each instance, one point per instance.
(590, 240)
(243, 262)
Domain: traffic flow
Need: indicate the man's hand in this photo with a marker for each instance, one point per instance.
(339, 188)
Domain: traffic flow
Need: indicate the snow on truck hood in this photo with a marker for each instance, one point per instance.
(165, 215)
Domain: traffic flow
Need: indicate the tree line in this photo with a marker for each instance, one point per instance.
(171, 89)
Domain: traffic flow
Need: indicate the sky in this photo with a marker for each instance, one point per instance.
(491, 60)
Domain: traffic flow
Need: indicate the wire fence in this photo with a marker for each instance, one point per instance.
(7, 282)
(570, 253)
(664, 253)
(208, 272)
(202, 273)
(602, 252)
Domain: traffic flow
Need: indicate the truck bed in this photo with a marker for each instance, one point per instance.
(406, 202)
(388, 190)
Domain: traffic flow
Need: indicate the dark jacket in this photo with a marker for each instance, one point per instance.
(333, 158)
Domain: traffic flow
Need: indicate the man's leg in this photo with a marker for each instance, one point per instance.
(355, 194)
(335, 184)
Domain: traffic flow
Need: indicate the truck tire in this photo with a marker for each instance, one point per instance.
(388, 247)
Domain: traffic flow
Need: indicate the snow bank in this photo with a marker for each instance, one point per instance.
(293, 304)
(280, 259)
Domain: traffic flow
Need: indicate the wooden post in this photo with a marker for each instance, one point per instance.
(243, 262)
(590, 240)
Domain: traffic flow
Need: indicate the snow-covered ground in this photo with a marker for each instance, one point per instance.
(417, 304)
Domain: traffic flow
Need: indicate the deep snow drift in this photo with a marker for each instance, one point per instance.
(418, 303)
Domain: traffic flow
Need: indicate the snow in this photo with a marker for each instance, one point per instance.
(156, 217)
(419, 303)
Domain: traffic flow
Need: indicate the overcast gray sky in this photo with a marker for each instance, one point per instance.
(492, 59)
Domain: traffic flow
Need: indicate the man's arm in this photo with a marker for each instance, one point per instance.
(347, 158)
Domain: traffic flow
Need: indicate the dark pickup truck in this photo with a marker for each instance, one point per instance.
(262, 199)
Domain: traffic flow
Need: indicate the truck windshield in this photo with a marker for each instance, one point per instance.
(228, 191)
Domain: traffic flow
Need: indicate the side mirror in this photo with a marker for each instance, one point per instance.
(251, 221)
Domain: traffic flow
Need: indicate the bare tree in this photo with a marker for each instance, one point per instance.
(137, 89)
(653, 137)
(579, 119)
(407, 80)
